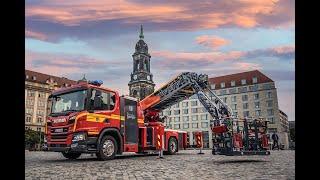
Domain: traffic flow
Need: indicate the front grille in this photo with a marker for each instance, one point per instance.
(59, 136)
(57, 145)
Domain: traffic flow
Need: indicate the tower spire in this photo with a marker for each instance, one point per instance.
(141, 32)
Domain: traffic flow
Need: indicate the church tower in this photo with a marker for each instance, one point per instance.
(141, 83)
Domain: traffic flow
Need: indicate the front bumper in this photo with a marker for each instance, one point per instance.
(88, 145)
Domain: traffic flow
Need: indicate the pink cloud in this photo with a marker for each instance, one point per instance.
(35, 35)
(58, 64)
(213, 42)
(189, 14)
(198, 56)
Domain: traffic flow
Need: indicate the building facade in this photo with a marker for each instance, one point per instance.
(249, 94)
(38, 87)
(284, 129)
(141, 79)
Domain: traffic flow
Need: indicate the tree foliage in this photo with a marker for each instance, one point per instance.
(31, 137)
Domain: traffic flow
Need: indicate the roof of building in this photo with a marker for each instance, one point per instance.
(37, 77)
(261, 78)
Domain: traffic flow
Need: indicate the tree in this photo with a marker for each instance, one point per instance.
(31, 138)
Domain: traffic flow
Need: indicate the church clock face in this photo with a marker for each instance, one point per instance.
(148, 77)
(135, 77)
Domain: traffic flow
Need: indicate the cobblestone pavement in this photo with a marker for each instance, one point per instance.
(184, 165)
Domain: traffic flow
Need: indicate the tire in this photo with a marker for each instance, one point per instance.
(107, 148)
(71, 155)
(172, 146)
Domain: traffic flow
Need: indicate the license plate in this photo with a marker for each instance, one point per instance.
(58, 130)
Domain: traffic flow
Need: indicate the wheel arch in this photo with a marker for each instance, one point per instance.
(115, 133)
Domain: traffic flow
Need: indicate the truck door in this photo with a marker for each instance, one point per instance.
(129, 126)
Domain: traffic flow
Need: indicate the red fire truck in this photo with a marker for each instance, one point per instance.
(87, 118)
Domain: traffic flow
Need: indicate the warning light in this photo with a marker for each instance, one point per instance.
(96, 82)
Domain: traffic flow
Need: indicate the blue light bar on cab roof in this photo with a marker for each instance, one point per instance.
(96, 82)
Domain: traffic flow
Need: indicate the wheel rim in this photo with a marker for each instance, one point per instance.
(108, 148)
(173, 146)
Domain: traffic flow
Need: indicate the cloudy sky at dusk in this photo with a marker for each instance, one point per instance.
(217, 37)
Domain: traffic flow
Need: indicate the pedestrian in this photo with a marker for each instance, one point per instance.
(275, 139)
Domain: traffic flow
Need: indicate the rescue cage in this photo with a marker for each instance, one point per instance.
(236, 136)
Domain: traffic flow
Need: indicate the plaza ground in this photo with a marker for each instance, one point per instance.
(186, 164)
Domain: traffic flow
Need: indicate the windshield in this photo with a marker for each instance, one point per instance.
(73, 101)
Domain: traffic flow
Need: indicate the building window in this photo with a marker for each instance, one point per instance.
(245, 105)
(204, 124)
(195, 125)
(234, 106)
(245, 97)
(34, 78)
(269, 94)
(267, 86)
(246, 114)
(176, 112)
(242, 89)
(185, 111)
(225, 99)
(204, 116)
(234, 98)
(269, 103)
(213, 86)
(184, 104)
(271, 120)
(39, 120)
(39, 112)
(232, 90)
(185, 118)
(270, 112)
(176, 119)
(223, 85)
(28, 119)
(256, 96)
(235, 114)
(243, 81)
(194, 103)
(257, 104)
(38, 128)
(31, 93)
(29, 111)
(176, 105)
(176, 126)
(233, 83)
(254, 87)
(258, 113)
(254, 80)
(194, 110)
(194, 118)
(223, 92)
(167, 113)
(27, 77)
(185, 125)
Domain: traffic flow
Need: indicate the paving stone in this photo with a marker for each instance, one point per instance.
(185, 165)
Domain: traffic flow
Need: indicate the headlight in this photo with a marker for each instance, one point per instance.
(71, 120)
(79, 137)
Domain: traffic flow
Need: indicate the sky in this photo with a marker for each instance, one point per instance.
(215, 37)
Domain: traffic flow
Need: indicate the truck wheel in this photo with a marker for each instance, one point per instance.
(172, 146)
(107, 148)
(71, 155)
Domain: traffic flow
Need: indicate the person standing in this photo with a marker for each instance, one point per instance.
(275, 139)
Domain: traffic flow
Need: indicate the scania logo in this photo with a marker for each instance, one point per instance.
(59, 120)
